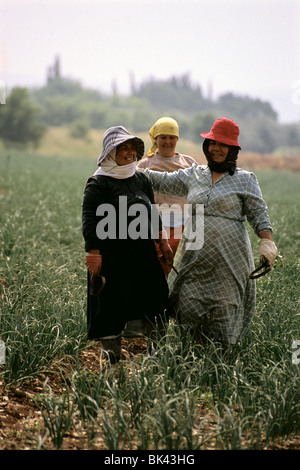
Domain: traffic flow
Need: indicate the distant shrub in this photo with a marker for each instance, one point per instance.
(78, 129)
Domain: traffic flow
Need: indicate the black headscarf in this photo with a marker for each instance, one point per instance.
(228, 165)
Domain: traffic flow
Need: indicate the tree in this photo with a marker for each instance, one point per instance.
(78, 129)
(176, 93)
(201, 122)
(64, 100)
(246, 107)
(260, 135)
(19, 119)
(54, 70)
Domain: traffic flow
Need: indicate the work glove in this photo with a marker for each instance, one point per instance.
(93, 263)
(268, 250)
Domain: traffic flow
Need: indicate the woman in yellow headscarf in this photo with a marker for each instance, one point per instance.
(162, 156)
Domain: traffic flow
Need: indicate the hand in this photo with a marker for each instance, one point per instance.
(167, 253)
(93, 263)
(268, 250)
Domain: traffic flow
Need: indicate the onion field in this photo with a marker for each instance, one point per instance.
(53, 392)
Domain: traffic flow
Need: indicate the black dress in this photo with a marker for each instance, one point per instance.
(135, 287)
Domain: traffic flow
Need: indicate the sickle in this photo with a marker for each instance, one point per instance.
(256, 273)
(100, 288)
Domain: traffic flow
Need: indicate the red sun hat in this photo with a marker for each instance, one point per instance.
(224, 130)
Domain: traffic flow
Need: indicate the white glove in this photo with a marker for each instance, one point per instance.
(268, 250)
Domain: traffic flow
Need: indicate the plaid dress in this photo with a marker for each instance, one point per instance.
(212, 287)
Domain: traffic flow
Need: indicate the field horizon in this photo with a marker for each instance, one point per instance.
(58, 141)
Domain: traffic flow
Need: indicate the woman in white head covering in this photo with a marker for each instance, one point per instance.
(117, 226)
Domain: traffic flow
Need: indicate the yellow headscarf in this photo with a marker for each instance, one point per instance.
(164, 125)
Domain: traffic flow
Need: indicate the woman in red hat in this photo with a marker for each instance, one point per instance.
(210, 288)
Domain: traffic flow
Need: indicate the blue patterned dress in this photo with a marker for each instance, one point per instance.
(212, 286)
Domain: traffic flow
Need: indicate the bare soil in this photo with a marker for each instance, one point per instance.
(255, 161)
(21, 422)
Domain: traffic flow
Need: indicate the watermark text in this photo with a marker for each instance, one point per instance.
(2, 352)
(296, 354)
(141, 221)
(2, 92)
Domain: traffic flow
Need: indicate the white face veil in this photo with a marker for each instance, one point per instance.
(109, 167)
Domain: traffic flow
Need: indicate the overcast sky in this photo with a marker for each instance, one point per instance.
(247, 47)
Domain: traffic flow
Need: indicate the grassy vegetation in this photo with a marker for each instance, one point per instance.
(182, 396)
(59, 141)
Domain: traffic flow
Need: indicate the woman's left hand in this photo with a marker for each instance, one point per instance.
(268, 250)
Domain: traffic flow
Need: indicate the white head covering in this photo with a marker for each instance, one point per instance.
(108, 166)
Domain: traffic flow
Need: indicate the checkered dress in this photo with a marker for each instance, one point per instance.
(212, 286)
